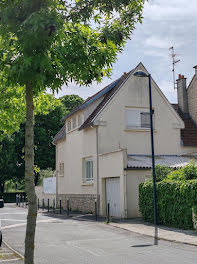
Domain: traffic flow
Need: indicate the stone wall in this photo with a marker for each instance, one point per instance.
(78, 202)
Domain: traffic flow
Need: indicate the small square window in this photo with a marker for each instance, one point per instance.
(61, 169)
(69, 125)
(74, 122)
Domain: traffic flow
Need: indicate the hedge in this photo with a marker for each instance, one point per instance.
(175, 200)
(10, 197)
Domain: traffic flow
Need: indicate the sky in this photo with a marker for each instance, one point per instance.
(166, 23)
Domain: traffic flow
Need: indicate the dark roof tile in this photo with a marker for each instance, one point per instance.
(60, 135)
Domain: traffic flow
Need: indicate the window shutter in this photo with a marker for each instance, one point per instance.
(132, 118)
(145, 119)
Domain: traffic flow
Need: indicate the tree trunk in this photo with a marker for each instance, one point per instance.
(29, 177)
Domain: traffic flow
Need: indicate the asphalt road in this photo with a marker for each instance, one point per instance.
(79, 241)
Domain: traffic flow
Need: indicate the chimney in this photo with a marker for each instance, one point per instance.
(182, 94)
(195, 67)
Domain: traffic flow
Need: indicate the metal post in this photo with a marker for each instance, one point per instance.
(68, 207)
(60, 206)
(23, 199)
(108, 212)
(153, 152)
(19, 200)
(95, 206)
(43, 204)
(26, 201)
(38, 204)
(48, 206)
(16, 199)
(54, 205)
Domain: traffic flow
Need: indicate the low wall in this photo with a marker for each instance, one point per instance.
(41, 195)
(79, 202)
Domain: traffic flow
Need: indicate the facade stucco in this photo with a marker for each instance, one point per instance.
(192, 98)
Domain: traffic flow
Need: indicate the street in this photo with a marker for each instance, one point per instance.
(71, 241)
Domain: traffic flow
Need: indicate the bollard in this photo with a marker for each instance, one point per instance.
(108, 213)
(43, 204)
(68, 207)
(16, 199)
(95, 206)
(48, 206)
(26, 202)
(19, 200)
(38, 204)
(23, 201)
(54, 205)
(60, 206)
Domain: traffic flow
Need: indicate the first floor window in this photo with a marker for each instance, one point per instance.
(88, 170)
(69, 125)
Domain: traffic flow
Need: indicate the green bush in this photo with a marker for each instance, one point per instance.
(161, 172)
(189, 172)
(175, 200)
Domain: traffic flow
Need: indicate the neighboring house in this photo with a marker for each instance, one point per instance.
(103, 151)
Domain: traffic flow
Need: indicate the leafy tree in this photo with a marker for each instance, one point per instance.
(7, 161)
(49, 42)
(71, 101)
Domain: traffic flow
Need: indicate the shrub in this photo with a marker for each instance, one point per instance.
(175, 200)
(189, 172)
(161, 172)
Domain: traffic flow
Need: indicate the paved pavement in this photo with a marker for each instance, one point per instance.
(161, 232)
(60, 240)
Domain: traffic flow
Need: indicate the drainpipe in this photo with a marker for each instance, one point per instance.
(97, 163)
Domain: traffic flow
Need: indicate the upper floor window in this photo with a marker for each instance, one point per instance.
(69, 125)
(79, 120)
(74, 122)
(61, 169)
(137, 118)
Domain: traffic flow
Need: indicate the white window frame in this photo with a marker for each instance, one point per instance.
(91, 178)
(61, 169)
(137, 120)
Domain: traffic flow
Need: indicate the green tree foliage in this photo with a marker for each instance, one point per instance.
(71, 101)
(161, 172)
(189, 172)
(7, 161)
(47, 43)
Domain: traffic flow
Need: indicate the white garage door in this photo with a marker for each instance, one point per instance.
(113, 196)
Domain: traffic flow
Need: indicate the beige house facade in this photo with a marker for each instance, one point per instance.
(103, 150)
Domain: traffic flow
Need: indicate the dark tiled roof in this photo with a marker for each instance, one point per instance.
(60, 135)
(189, 133)
(89, 121)
(92, 98)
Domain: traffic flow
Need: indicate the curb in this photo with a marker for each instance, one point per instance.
(158, 238)
(13, 250)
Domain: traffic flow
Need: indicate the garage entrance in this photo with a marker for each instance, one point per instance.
(113, 196)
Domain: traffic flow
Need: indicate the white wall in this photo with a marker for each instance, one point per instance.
(71, 151)
(134, 93)
(133, 179)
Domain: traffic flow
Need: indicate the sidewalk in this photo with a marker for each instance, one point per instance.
(160, 232)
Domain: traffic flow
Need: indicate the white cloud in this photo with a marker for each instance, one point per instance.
(166, 23)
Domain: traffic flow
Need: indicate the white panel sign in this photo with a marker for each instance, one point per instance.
(49, 185)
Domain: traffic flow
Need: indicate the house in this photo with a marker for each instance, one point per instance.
(103, 150)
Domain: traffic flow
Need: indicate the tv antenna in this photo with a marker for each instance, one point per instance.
(174, 62)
